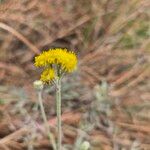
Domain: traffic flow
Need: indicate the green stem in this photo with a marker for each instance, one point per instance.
(58, 105)
(50, 136)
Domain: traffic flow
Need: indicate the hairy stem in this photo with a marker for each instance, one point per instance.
(50, 135)
(58, 105)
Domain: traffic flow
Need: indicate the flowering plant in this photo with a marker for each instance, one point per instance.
(56, 63)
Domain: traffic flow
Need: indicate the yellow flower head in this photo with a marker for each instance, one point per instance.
(63, 59)
(66, 59)
(47, 75)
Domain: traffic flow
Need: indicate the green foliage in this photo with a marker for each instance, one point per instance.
(135, 38)
(1, 1)
(143, 30)
(2, 101)
(128, 42)
(87, 31)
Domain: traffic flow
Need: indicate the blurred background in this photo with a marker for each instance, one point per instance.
(106, 101)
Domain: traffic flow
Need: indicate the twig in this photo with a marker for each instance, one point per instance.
(20, 37)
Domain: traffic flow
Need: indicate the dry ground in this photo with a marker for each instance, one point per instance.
(109, 94)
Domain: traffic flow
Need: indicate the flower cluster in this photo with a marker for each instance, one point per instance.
(53, 59)
(48, 75)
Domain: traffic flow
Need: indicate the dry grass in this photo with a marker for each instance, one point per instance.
(111, 38)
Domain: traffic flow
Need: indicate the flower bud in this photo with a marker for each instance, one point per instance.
(38, 85)
(85, 145)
